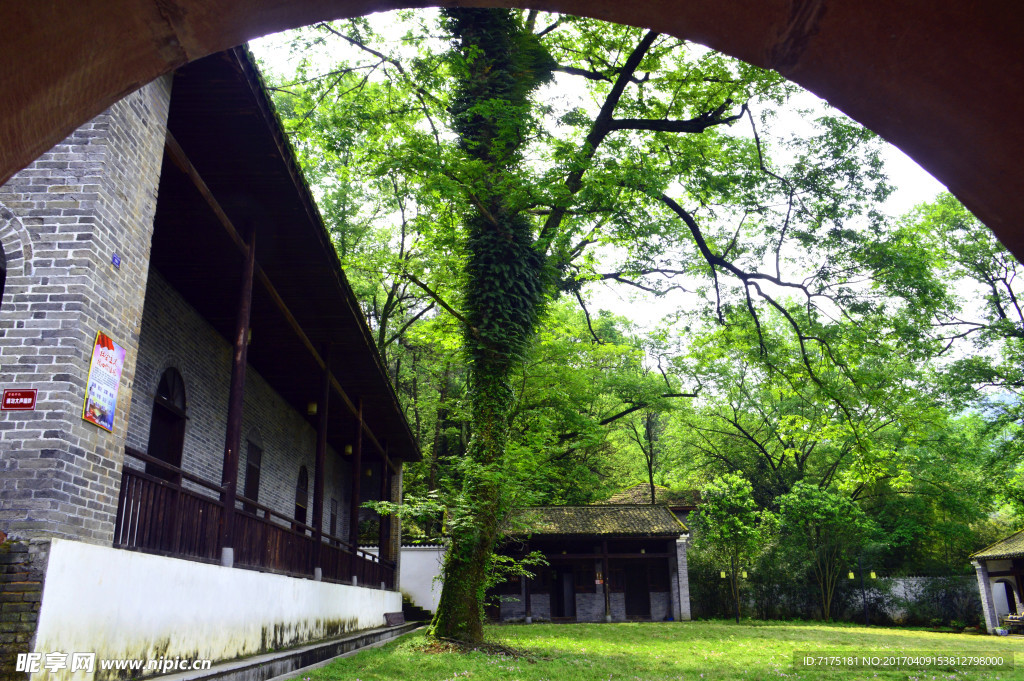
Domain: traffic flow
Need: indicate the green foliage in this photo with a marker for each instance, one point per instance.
(474, 205)
(730, 529)
(829, 528)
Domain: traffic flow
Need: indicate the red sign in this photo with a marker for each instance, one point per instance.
(19, 399)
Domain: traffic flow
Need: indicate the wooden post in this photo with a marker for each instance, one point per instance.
(357, 475)
(607, 582)
(384, 536)
(233, 436)
(318, 467)
(529, 605)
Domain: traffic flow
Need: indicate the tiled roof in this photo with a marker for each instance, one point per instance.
(632, 520)
(1010, 547)
(641, 494)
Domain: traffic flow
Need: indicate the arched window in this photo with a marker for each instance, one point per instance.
(3, 270)
(167, 427)
(301, 495)
(253, 465)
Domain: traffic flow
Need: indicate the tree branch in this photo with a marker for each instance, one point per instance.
(440, 301)
(409, 323)
(586, 314)
(693, 125)
(599, 130)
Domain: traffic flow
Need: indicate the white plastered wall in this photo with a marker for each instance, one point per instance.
(121, 604)
(420, 565)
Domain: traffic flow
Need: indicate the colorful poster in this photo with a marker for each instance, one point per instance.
(104, 381)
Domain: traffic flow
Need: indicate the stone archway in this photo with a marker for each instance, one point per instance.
(938, 78)
(15, 255)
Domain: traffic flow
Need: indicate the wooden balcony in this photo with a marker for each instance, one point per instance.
(182, 517)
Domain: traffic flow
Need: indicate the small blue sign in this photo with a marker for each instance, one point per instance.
(116, 259)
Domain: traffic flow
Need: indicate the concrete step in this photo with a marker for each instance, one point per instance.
(414, 613)
(286, 664)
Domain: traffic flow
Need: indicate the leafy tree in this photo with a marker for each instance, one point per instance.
(731, 529)
(484, 202)
(829, 528)
(955, 272)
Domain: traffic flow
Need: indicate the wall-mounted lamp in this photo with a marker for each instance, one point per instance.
(311, 409)
(348, 450)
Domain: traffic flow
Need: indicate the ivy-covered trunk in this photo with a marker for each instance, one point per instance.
(497, 65)
(474, 527)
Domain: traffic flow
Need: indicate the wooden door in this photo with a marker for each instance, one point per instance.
(637, 592)
(563, 593)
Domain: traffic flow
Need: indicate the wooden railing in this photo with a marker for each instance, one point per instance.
(183, 518)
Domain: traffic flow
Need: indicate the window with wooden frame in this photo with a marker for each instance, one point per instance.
(167, 426)
(510, 587)
(657, 576)
(253, 465)
(616, 580)
(541, 583)
(301, 497)
(333, 527)
(585, 576)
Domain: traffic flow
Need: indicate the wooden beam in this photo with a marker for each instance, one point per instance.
(181, 160)
(319, 464)
(236, 401)
(384, 530)
(357, 479)
(606, 584)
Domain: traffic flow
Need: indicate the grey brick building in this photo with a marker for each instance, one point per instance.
(612, 562)
(246, 419)
(1000, 573)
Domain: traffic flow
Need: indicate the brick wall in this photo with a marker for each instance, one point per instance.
(512, 607)
(617, 603)
(22, 566)
(590, 607)
(661, 606)
(174, 335)
(61, 221)
(683, 574)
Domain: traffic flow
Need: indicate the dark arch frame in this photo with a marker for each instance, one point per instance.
(938, 78)
(167, 425)
(1010, 592)
(3, 271)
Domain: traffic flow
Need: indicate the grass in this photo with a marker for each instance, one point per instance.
(665, 651)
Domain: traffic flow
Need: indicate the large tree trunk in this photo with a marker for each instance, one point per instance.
(498, 64)
(475, 526)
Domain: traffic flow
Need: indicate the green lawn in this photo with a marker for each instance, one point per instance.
(667, 651)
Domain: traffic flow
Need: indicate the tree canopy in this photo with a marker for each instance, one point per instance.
(487, 173)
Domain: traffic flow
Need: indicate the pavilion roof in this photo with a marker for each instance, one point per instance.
(1009, 547)
(641, 494)
(619, 520)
